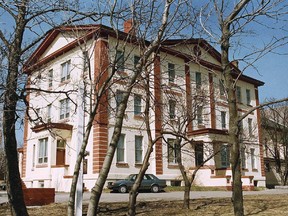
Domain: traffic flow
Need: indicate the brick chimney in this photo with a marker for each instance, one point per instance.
(128, 27)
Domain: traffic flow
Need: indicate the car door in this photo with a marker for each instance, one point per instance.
(146, 182)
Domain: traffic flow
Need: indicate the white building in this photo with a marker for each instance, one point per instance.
(179, 72)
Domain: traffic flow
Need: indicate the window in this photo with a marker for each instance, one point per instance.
(243, 158)
(137, 104)
(248, 96)
(253, 159)
(41, 184)
(49, 113)
(136, 60)
(138, 149)
(119, 97)
(64, 108)
(172, 151)
(120, 60)
(172, 109)
(199, 115)
(50, 78)
(238, 94)
(42, 151)
(223, 120)
(85, 61)
(198, 80)
(221, 88)
(171, 72)
(250, 129)
(121, 149)
(225, 156)
(199, 154)
(65, 71)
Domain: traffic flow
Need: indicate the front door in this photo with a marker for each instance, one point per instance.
(60, 154)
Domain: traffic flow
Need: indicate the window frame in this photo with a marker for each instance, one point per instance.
(171, 72)
(138, 149)
(119, 97)
(121, 149)
(198, 80)
(199, 151)
(223, 120)
(120, 61)
(42, 151)
(172, 109)
(49, 116)
(250, 127)
(248, 97)
(222, 90)
(243, 158)
(199, 115)
(253, 158)
(171, 151)
(65, 70)
(238, 94)
(64, 109)
(50, 78)
(225, 156)
(137, 104)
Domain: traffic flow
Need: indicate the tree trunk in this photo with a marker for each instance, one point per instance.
(97, 189)
(14, 188)
(237, 195)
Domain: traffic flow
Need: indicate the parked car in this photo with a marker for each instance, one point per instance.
(3, 186)
(149, 182)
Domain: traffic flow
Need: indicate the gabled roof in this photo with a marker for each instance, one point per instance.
(92, 31)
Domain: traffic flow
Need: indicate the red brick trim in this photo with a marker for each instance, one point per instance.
(261, 149)
(158, 115)
(212, 101)
(100, 124)
(25, 137)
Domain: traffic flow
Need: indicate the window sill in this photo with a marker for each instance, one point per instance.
(42, 165)
(64, 82)
(172, 84)
(138, 117)
(138, 165)
(245, 170)
(122, 73)
(201, 126)
(254, 170)
(59, 166)
(64, 120)
(173, 166)
(122, 165)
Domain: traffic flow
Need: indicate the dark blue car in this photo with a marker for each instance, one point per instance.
(149, 182)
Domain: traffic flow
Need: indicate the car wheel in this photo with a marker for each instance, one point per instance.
(155, 188)
(122, 189)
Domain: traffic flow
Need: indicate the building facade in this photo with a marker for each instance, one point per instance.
(185, 77)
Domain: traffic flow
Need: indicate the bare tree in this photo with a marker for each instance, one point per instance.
(232, 21)
(24, 29)
(274, 121)
(146, 53)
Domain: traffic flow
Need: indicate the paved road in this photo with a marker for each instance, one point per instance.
(147, 196)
